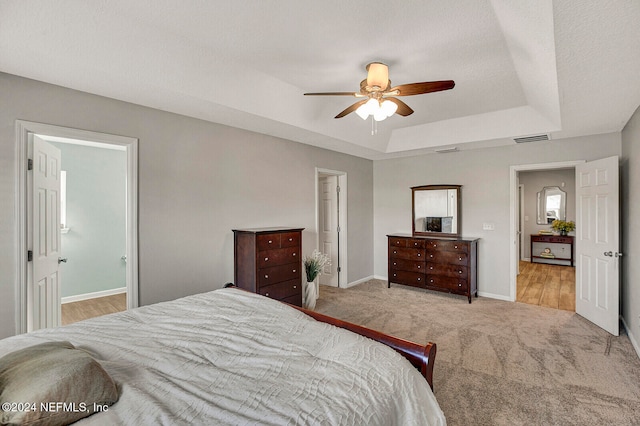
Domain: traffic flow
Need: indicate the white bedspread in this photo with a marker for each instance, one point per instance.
(232, 357)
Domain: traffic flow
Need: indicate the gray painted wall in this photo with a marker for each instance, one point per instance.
(631, 227)
(96, 202)
(197, 181)
(533, 183)
(484, 176)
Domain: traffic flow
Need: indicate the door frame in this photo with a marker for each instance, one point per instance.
(342, 218)
(23, 129)
(513, 214)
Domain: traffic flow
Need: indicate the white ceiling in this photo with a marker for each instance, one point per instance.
(565, 68)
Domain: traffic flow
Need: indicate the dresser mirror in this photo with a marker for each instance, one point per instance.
(436, 210)
(552, 203)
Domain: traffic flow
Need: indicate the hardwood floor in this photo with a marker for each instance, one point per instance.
(553, 286)
(78, 311)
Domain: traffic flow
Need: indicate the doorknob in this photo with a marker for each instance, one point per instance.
(62, 259)
(612, 254)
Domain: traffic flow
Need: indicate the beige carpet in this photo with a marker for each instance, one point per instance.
(503, 363)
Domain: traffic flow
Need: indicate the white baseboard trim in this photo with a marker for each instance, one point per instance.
(634, 342)
(94, 295)
(495, 296)
(360, 281)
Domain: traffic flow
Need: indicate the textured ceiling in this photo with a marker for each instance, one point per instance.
(566, 68)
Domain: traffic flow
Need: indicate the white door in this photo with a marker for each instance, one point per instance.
(43, 292)
(328, 220)
(597, 243)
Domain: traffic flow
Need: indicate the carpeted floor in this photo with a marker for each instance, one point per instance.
(503, 363)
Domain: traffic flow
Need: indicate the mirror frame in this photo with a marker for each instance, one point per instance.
(541, 205)
(415, 189)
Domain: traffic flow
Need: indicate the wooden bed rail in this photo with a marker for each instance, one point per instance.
(422, 357)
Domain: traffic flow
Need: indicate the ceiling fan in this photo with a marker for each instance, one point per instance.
(379, 98)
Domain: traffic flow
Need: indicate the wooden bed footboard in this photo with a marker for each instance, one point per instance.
(422, 357)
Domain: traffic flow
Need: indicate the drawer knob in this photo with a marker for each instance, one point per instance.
(295, 286)
(419, 279)
(294, 254)
(459, 284)
(419, 266)
(270, 241)
(266, 294)
(395, 263)
(395, 252)
(290, 239)
(266, 276)
(294, 270)
(395, 275)
(431, 256)
(266, 259)
(455, 246)
(460, 258)
(459, 272)
(415, 244)
(431, 280)
(435, 245)
(419, 255)
(431, 267)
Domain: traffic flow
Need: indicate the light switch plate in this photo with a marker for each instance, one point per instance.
(489, 226)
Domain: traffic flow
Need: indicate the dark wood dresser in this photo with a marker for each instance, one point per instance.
(556, 244)
(442, 264)
(268, 261)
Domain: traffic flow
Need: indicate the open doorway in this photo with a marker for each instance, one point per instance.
(331, 224)
(39, 296)
(542, 270)
(546, 275)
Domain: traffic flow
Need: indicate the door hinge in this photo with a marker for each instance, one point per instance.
(338, 229)
(29, 255)
(338, 189)
(339, 269)
(29, 164)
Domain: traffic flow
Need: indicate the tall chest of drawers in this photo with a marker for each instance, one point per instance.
(268, 261)
(441, 264)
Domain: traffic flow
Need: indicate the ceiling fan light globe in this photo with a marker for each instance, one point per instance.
(389, 107)
(380, 115)
(363, 111)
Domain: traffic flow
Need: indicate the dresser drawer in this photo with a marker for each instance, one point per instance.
(447, 270)
(450, 283)
(276, 274)
(282, 290)
(455, 246)
(406, 253)
(451, 257)
(268, 241)
(398, 264)
(294, 300)
(278, 257)
(289, 239)
(415, 279)
(398, 242)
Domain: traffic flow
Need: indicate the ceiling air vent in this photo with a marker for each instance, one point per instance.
(534, 138)
(445, 150)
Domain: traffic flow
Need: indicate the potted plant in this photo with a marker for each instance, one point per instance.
(313, 266)
(563, 227)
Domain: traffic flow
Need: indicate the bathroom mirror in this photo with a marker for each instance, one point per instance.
(436, 210)
(552, 205)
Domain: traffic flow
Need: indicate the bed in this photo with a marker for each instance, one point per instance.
(234, 357)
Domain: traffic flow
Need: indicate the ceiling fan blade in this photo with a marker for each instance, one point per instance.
(333, 94)
(403, 109)
(420, 88)
(352, 108)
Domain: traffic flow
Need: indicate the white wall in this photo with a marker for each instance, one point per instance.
(197, 181)
(484, 176)
(631, 228)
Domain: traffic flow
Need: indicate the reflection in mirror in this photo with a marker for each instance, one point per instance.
(552, 202)
(436, 209)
